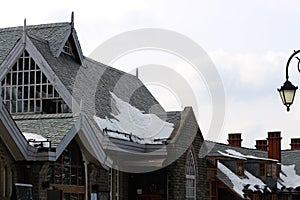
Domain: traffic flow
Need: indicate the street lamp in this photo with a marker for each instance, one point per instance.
(288, 90)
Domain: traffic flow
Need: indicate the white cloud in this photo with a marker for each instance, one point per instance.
(253, 104)
(249, 68)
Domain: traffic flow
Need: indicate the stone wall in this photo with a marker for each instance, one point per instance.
(7, 171)
(177, 176)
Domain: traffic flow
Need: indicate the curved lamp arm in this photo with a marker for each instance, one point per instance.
(288, 63)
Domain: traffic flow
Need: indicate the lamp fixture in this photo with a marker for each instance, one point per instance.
(288, 90)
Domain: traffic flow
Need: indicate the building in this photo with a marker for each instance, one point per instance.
(74, 128)
(267, 172)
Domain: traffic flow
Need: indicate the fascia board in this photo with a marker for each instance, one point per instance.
(93, 139)
(14, 133)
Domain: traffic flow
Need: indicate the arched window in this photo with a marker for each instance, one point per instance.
(190, 173)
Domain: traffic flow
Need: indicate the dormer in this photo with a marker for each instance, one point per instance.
(70, 44)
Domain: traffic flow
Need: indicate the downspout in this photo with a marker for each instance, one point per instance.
(86, 180)
(85, 175)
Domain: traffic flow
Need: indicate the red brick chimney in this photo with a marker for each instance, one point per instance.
(234, 139)
(295, 143)
(262, 145)
(274, 145)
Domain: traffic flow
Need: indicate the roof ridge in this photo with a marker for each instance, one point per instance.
(248, 148)
(16, 28)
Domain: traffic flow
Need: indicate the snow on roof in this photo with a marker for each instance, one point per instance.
(240, 182)
(236, 153)
(36, 140)
(288, 176)
(231, 156)
(147, 128)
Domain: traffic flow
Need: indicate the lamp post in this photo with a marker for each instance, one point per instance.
(288, 90)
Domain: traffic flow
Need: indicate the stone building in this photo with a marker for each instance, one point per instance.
(74, 128)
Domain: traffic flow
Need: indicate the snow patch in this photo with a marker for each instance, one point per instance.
(232, 156)
(236, 153)
(36, 140)
(288, 176)
(129, 123)
(240, 182)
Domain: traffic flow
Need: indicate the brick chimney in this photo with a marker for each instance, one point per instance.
(234, 139)
(262, 145)
(274, 145)
(295, 143)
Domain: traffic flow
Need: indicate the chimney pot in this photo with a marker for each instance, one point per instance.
(295, 144)
(262, 145)
(235, 139)
(274, 145)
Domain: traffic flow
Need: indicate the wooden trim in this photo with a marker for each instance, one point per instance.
(78, 189)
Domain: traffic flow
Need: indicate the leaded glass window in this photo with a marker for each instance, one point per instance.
(68, 169)
(190, 171)
(25, 89)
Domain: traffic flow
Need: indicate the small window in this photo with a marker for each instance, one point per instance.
(240, 168)
(274, 170)
(268, 169)
(68, 48)
(262, 169)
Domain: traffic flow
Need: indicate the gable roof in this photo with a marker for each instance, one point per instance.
(51, 126)
(96, 80)
(54, 34)
(88, 83)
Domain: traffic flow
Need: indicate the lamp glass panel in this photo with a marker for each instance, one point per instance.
(282, 96)
(289, 96)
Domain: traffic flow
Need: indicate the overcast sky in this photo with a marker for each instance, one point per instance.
(248, 41)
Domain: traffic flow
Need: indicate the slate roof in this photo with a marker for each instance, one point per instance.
(54, 34)
(91, 82)
(223, 147)
(51, 126)
(288, 157)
